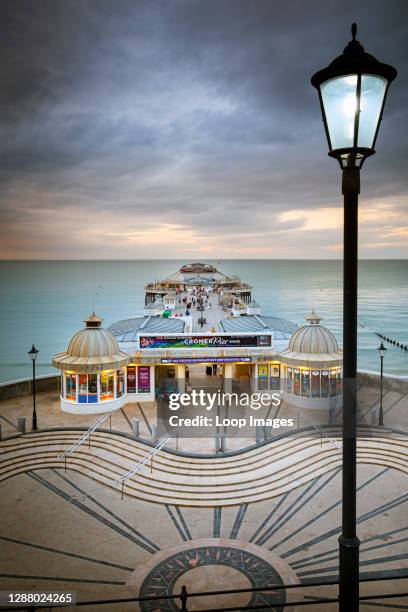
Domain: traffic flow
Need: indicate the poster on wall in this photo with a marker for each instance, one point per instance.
(143, 379)
(275, 376)
(262, 377)
(131, 379)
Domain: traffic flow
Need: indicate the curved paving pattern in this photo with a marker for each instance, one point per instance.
(68, 531)
(201, 563)
(253, 475)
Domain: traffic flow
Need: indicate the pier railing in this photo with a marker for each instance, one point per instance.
(85, 436)
(148, 459)
(185, 597)
(319, 429)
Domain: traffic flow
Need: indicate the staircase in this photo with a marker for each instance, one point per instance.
(252, 475)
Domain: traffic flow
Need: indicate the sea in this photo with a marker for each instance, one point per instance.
(45, 302)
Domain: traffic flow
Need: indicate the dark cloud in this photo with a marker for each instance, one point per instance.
(196, 114)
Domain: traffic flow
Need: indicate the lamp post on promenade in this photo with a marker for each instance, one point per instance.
(352, 92)
(33, 356)
(381, 349)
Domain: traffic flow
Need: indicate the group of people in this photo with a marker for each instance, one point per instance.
(196, 298)
(211, 370)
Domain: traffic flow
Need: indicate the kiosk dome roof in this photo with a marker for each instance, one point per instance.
(91, 349)
(313, 343)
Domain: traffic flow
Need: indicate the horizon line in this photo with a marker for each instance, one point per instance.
(196, 260)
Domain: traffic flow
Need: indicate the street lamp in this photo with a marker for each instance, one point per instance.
(381, 349)
(352, 92)
(33, 356)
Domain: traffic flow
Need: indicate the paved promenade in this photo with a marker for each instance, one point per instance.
(71, 531)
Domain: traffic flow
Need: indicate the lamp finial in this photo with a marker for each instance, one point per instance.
(354, 30)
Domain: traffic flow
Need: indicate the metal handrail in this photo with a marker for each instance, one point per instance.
(184, 595)
(149, 457)
(87, 434)
(317, 428)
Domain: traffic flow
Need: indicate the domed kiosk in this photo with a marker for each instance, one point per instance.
(312, 366)
(93, 371)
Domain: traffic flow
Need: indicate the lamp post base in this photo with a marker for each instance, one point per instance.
(349, 574)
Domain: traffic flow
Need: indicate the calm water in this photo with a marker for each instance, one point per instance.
(46, 302)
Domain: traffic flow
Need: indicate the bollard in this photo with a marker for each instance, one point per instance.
(154, 434)
(136, 427)
(217, 442)
(21, 424)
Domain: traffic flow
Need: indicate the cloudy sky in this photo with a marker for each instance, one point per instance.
(189, 129)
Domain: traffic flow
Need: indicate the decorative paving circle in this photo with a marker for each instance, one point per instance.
(244, 564)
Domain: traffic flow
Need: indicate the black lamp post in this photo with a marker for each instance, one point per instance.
(381, 350)
(352, 92)
(33, 356)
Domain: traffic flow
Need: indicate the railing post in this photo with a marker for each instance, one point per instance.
(65, 463)
(321, 438)
(89, 441)
(110, 422)
(123, 489)
(298, 420)
(183, 598)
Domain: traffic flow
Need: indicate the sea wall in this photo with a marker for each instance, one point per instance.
(24, 386)
(390, 383)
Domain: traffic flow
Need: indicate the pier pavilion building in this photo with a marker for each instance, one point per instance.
(195, 320)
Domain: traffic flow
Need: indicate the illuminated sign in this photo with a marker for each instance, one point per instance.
(205, 359)
(212, 341)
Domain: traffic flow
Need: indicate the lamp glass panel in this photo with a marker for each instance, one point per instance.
(372, 97)
(339, 97)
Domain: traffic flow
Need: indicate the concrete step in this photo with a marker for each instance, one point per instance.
(267, 477)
